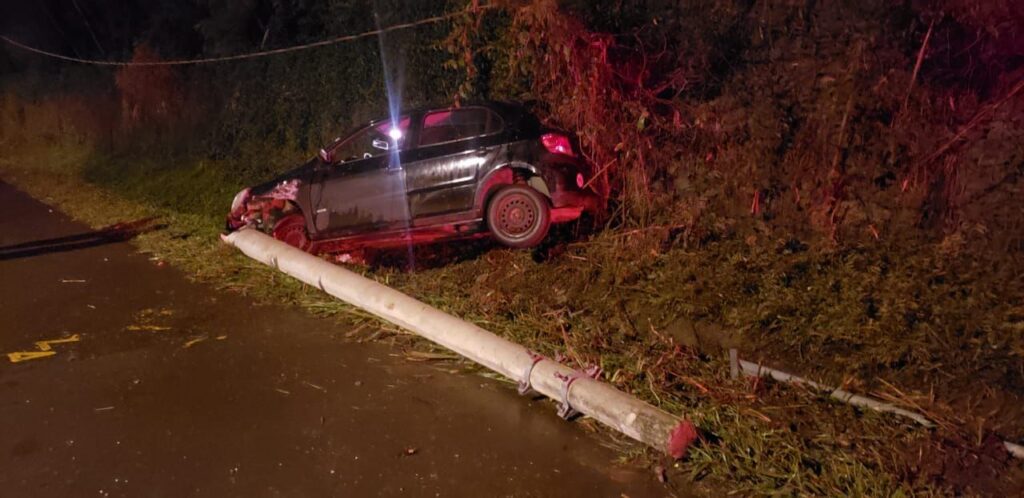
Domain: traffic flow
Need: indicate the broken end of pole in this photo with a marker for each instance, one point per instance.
(679, 440)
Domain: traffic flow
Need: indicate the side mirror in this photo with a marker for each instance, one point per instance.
(380, 144)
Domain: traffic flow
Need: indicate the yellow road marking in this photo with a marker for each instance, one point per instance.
(45, 351)
(28, 355)
(45, 345)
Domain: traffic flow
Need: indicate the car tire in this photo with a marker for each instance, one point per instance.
(291, 229)
(518, 216)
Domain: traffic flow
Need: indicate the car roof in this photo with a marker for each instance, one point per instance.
(505, 109)
(515, 115)
(512, 112)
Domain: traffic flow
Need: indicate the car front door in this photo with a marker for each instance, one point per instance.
(362, 189)
(452, 144)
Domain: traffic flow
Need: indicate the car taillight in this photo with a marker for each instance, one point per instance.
(556, 143)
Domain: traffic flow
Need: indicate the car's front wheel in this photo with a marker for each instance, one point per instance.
(519, 216)
(291, 230)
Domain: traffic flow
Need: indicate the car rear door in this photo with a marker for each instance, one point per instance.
(366, 192)
(452, 144)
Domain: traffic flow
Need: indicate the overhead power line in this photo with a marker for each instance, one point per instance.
(251, 55)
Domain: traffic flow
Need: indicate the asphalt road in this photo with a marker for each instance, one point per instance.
(176, 389)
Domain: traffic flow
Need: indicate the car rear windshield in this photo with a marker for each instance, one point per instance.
(450, 125)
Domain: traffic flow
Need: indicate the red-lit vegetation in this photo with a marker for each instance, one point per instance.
(148, 93)
(855, 149)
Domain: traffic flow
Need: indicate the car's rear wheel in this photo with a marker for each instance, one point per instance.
(291, 230)
(519, 216)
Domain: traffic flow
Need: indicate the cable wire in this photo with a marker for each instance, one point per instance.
(251, 55)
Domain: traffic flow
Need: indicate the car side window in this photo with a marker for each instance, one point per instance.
(374, 140)
(450, 125)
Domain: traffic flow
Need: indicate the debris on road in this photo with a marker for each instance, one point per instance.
(147, 328)
(425, 356)
(194, 341)
(660, 473)
(145, 320)
(354, 332)
(150, 313)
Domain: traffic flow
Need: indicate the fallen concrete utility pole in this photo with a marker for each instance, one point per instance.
(573, 389)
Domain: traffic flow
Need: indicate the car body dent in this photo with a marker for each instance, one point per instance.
(286, 190)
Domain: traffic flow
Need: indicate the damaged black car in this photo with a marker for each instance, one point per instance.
(488, 169)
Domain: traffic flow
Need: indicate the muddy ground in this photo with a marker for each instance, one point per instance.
(176, 389)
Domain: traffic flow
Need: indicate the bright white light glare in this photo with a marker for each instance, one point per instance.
(395, 134)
